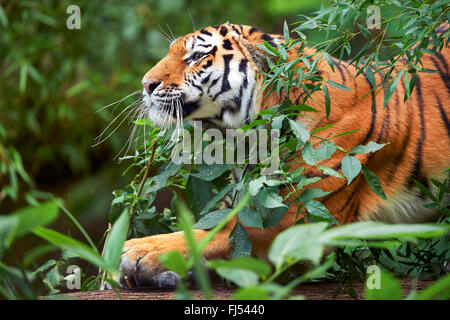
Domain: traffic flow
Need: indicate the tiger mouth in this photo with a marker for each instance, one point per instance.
(174, 105)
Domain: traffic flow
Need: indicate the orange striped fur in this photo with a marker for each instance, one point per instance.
(418, 133)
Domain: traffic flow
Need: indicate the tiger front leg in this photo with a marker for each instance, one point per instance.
(140, 265)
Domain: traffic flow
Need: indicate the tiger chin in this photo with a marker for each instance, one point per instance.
(213, 75)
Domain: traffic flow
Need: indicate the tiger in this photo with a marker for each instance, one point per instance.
(214, 75)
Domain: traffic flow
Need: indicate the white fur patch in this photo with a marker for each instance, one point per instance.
(404, 207)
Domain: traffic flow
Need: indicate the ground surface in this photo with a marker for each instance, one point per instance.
(311, 291)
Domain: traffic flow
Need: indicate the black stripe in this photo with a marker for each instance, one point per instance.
(243, 69)
(238, 99)
(200, 38)
(444, 76)
(205, 80)
(235, 29)
(249, 105)
(385, 123)
(338, 65)
(442, 60)
(208, 64)
(213, 83)
(213, 51)
(400, 156)
(227, 45)
(253, 30)
(347, 202)
(374, 112)
(269, 40)
(443, 115)
(415, 173)
(203, 31)
(225, 83)
(223, 31)
(189, 107)
(353, 211)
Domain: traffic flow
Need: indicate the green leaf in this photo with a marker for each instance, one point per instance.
(8, 226)
(116, 239)
(370, 147)
(301, 107)
(269, 199)
(286, 32)
(311, 193)
(23, 77)
(318, 211)
(251, 293)
(391, 88)
(268, 48)
(380, 231)
(219, 196)
(274, 217)
(389, 289)
(159, 181)
(351, 167)
(174, 261)
(277, 122)
(242, 278)
(76, 247)
(250, 218)
(309, 154)
(255, 185)
(240, 245)
(327, 100)
(299, 131)
(373, 182)
(209, 172)
(31, 217)
(329, 60)
(338, 85)
(253, 124)
(245, 263)
(365, 32)
(330, 172)
(438, 290)
(300, 242)
(211, 219)
(199, 194)
(325, 150)
(371, 77)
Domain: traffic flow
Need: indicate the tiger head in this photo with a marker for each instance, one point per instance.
(210, 75)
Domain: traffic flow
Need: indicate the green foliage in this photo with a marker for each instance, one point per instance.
(60, 72)
(204, 186)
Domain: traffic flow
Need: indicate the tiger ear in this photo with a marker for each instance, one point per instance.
(256, 54)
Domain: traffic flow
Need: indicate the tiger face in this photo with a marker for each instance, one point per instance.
(209, 75)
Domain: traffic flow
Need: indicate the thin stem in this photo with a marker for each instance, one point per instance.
(144, 178)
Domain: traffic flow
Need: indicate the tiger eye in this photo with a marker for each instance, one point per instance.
(197, 55)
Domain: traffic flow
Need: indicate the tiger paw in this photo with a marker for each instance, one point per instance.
(140, 266)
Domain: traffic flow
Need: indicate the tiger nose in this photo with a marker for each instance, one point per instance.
(150, 85)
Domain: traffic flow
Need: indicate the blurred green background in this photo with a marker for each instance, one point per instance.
(53, 80)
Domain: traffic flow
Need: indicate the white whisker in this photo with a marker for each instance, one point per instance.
(101, 135)
(118, 101)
